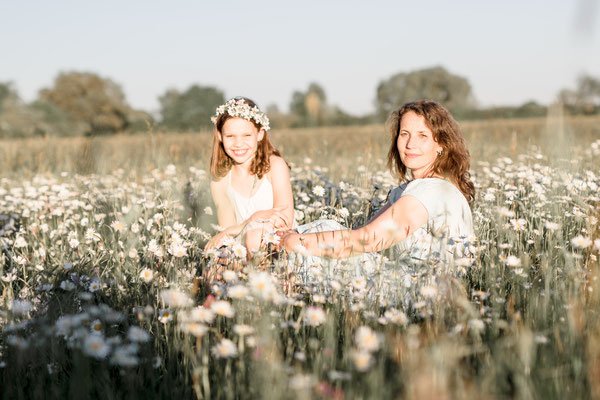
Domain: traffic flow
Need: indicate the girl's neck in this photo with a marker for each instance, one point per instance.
(241, 169)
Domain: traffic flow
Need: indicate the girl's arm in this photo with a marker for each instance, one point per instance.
(396, 223)
(283, 199)
(225, 214)
(282, 213)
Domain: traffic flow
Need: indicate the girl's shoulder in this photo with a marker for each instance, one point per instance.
(278, 165)
(277, 161)
(218, 183)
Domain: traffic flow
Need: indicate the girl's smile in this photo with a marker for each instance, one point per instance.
(240, 139)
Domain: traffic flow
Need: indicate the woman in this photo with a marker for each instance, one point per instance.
(429, 211)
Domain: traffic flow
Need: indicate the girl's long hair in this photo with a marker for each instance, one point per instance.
(221, 163)
(454, 162)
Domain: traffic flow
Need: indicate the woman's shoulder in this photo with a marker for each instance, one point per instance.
(434, 191)
(435, 185)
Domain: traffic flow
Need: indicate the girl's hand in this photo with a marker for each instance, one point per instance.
(274, 216)
(216, 240)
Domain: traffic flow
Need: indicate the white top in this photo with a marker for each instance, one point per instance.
(261, 199)
(449, 222)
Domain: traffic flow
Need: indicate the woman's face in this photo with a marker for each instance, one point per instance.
(240, 139)
(418, 150)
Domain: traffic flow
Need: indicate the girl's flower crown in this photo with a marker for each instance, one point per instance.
(237, 107)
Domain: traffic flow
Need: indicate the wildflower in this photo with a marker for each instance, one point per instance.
(513, 261)
(165, 316)
(271, 238)
(177, 249)
(20, 242)
(505, 212)
(518, 224)
(343, 212)
(73, 243)
(366, 339)
(96, 326)
(551, 226)
(137, 334)
(193, 328)
(95, 285)
(261, 284)
(118, 226)
(21, 307)
(225, 349)
(318, 191)
(201, 314)
(581, 242)
(125, 356)
(67, 286)
(243, 330)
(476, 325)
(96, 346)
(428, 292)
(239, 251)
(133, 254)
(146, 275)
(175, 298)
(92, 236)
(230, 276)
(238, 292)
(395, 316)
(155, 249)
(208, 211)
(314, 316)
(362, 360)
(223, 308)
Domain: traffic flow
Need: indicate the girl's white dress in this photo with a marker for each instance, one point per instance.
(261, 199)
(442, 246)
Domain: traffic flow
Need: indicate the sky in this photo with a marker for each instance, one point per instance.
(511, 51)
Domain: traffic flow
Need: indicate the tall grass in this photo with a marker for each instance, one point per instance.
(103, 295)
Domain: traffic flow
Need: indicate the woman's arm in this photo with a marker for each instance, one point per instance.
(396, 223)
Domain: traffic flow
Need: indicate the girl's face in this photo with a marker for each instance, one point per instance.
(240, 140)
(418, 150)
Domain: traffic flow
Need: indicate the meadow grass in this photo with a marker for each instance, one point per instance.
(103, 296)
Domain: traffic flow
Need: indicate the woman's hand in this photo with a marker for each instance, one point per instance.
(289, 240)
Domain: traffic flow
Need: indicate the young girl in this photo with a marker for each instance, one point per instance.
(251, 182)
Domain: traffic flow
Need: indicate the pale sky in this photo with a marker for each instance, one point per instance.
(510, 51)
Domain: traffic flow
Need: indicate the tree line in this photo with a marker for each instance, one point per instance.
(84, 103)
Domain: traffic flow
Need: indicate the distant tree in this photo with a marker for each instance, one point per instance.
(585, 99)
(98, 103)
(309, 108)
(190, 110)
(435, 83)
(7, 94)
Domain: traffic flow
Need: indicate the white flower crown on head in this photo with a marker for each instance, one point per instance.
(237, 107)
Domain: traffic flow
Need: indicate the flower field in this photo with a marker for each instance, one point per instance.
(105, 289)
